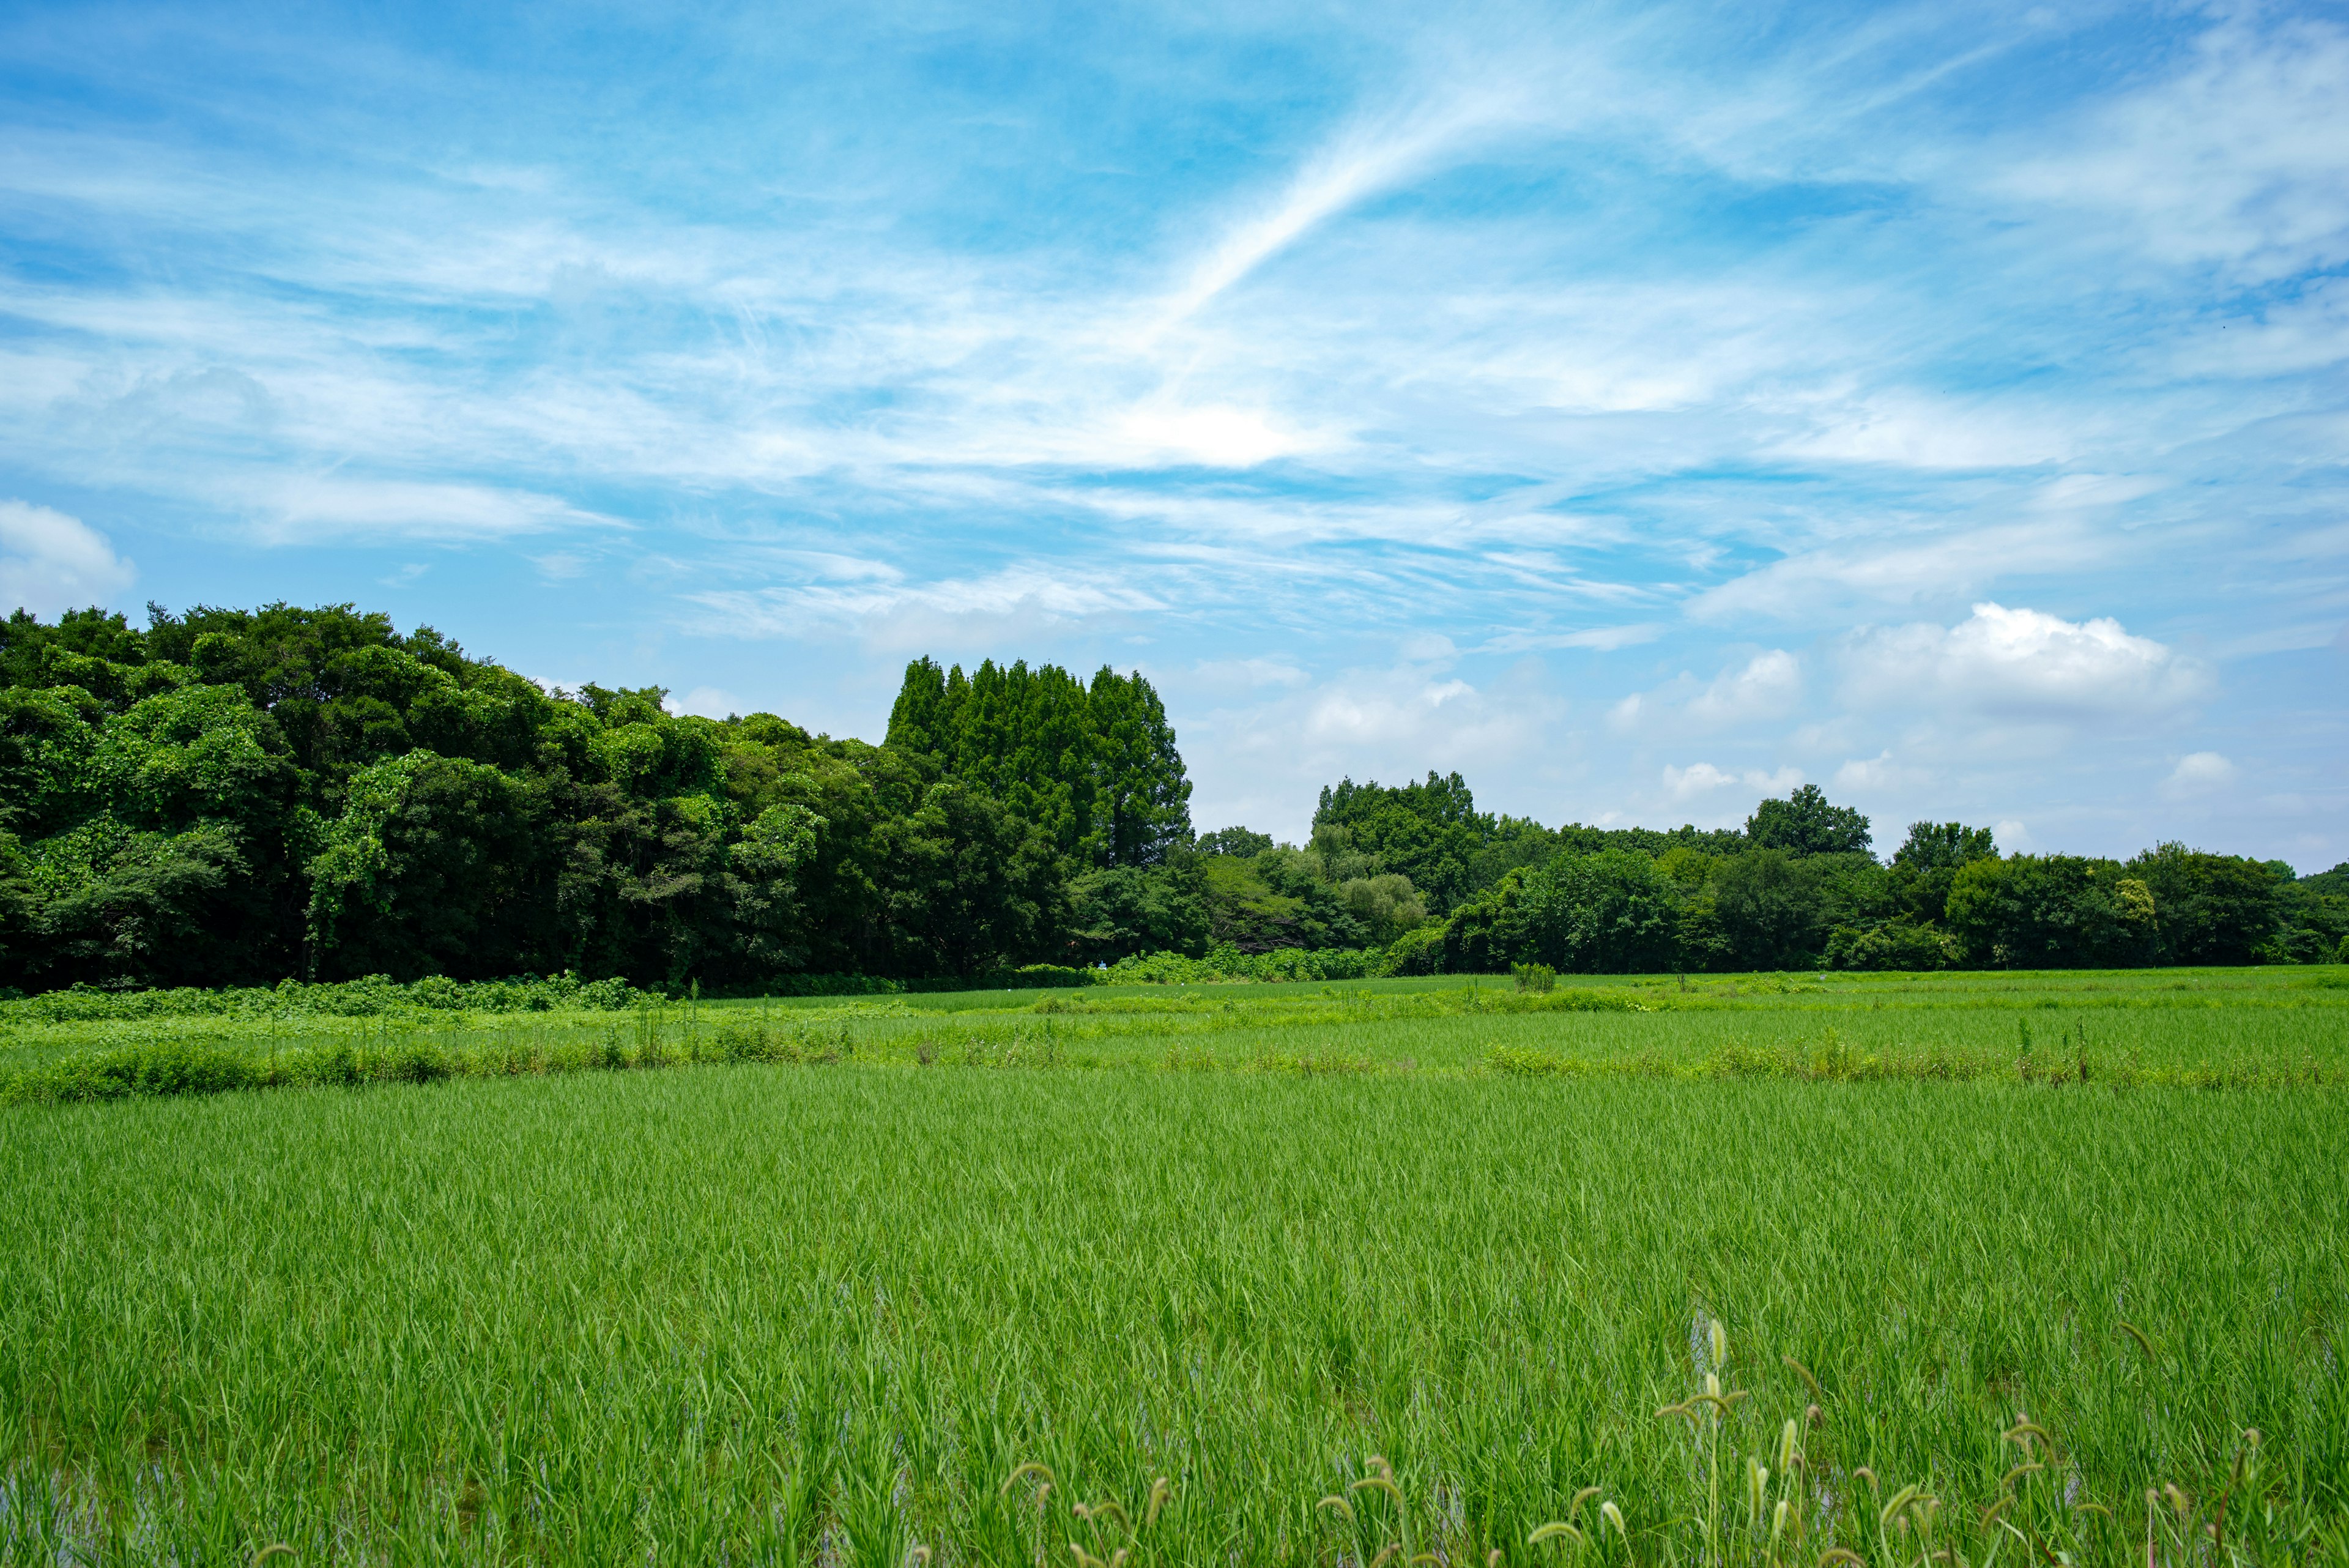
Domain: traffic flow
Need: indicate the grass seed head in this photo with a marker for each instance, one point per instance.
(1818, 1394)
(1031, 1467)
(1610, 1514)
(1719, 1344)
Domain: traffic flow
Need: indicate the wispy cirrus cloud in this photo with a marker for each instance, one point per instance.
(1598, 349)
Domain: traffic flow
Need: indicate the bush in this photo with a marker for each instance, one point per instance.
(1536, 977)
(1226, 963)
(371, 997)
(1417, 952)
(1894, 945)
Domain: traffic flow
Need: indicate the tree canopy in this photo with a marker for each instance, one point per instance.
(233, 796)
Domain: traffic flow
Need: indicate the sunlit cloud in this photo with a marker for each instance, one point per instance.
(1766, 398)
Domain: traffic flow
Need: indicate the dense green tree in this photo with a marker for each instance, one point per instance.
(1613, 912)
(1805, 823)
(1770, 912)
(435, 866)
(2207, 909)
(1429, 831)
(2312, 917)
(1143, 806)
(2053, 911)
(968, 887)
(243, 794)
(1928, 862)
(1119, 910)
(1096, 768)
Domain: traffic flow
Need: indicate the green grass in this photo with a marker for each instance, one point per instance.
(2244, 1027)
(819, 1313)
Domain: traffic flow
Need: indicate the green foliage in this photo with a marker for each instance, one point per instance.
(1805, 823)
(2210, 908)
(1430, 832)
(1095, 768)
(1614, 912)
(1239, 841)
(371, 996)
(1118, 910)
(1225, 963)
(239, 796)
(2053, 911)
(1538, 977)
(1899, 944)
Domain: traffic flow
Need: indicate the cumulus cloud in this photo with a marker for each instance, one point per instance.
(1259, 762)
(2199, 774)
(2020, 664)
(706, 702)
(50, 562)
(1876, 773)
(1765, 686)
(1699, 780)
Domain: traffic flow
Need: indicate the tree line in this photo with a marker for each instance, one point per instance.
(233, 796)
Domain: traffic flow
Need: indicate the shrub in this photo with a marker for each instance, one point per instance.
(1417, 952)
(1536, 977)
(1894, 945)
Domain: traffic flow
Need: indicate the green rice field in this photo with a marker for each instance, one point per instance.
(2002, 1268)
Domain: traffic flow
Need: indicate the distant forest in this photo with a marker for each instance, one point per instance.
(241, 796)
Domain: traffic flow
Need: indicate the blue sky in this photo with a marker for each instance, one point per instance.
(1638, 409)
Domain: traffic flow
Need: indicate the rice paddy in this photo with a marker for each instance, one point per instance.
(1390, 1268)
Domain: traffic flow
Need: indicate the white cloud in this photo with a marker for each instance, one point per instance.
(2309, 332)
(706, 701)
(1763, 687)
(1876, 773)
(2199, 774)
(2019, 663)
(50, 562)
(1911, 430)
(891, 612)
(1229, 675)
(1260, 762)
(1702, 779)
(305, 509)
(1217, 436)
(1598, 639)
(1913, 572)
(1766, 685)
(2235, 160)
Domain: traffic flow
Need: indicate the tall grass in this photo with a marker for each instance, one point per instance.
(765, 1315)
(2208, 1028)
